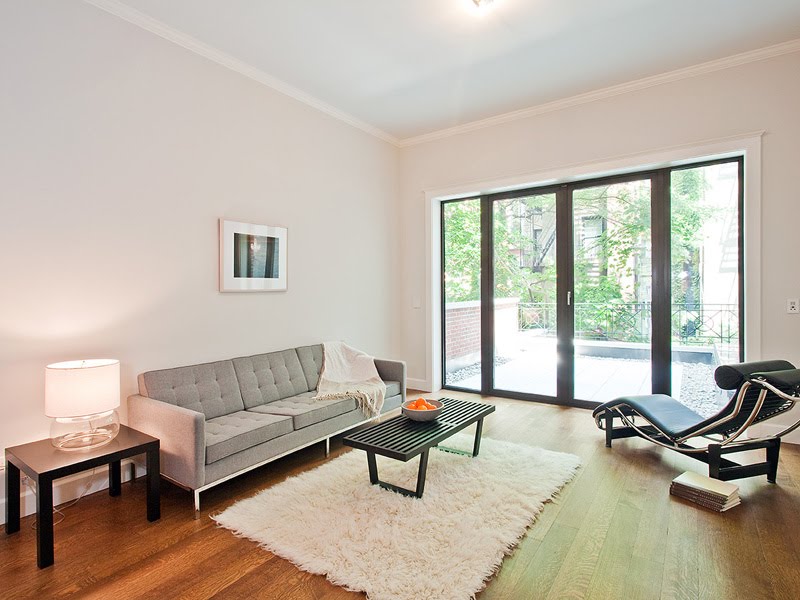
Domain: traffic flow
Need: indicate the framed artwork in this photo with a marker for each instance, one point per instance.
(252, 258)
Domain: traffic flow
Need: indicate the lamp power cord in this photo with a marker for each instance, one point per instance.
(57, 510)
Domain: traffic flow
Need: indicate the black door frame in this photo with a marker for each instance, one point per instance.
(661, 348)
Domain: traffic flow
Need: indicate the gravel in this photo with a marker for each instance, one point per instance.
(472, 370)
(699, 391)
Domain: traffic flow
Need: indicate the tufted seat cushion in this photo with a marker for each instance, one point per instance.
(269, 377)
(238, 431)
(305, 411)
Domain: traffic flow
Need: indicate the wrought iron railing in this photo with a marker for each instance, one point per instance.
(692, 324)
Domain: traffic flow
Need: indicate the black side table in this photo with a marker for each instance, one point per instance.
(43, 463)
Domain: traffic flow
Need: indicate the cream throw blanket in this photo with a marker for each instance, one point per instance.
(349, 373)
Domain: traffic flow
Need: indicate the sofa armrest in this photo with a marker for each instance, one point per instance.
(392, 370)
(182, 433)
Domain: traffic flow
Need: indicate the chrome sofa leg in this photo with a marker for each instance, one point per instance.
(327, 447)
(196, 504)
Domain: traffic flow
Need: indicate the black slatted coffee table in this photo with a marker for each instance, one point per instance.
(403, 439)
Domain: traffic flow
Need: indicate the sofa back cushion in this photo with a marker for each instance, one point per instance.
(210, 388)
(269, 377)
(311, 361)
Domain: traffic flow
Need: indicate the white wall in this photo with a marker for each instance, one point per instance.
(735, 101)
(118, 153)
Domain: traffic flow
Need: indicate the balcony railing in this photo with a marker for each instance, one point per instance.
(695, 324)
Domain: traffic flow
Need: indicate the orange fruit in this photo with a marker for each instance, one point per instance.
(422, 407)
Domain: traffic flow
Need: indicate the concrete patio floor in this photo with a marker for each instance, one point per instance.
(531, 363)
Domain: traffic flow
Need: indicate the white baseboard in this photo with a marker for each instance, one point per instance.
(419, 384)
(66, 489)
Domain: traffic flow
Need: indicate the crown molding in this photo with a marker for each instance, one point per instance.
(127, 13)
(608, 92)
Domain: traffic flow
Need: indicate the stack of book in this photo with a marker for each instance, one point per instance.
(709, 493)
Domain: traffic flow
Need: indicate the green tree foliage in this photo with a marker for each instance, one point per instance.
(462, 250)
(601, 263)
(687, 188)
(515, 244)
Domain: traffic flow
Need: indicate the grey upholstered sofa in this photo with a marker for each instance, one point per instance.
(218, 420)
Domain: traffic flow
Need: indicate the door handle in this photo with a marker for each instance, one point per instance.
(569, 298)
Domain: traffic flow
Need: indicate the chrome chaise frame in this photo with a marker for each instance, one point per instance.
(717, 443)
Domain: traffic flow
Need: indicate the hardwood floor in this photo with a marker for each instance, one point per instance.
(613, 532)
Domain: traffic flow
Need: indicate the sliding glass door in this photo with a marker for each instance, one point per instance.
(707, 282)
(612, 286)
(461, 293)
(524, 241)
(583, 292)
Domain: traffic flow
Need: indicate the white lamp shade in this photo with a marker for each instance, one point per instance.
(81, 387)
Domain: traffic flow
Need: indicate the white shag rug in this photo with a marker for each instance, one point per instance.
(445, 545)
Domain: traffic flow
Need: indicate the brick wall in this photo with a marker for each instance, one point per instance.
(463, 330)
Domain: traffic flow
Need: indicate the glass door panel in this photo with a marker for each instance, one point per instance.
(524, 265)
(461, 256)
(612, 287)
(704, 232)
(648, 297)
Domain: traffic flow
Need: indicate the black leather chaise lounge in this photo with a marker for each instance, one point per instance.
(762, 390)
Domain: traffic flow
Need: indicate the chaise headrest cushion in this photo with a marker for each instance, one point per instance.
(730, 377)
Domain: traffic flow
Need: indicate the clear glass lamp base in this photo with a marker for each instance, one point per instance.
(83, 433)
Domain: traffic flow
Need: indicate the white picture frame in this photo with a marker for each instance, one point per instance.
(252, 258)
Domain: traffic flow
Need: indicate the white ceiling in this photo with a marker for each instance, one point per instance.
(412, 67)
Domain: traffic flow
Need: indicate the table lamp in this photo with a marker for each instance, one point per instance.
(82, 397)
